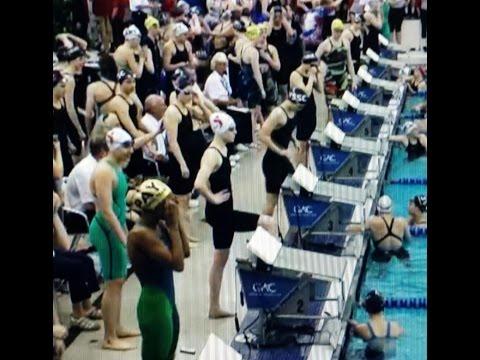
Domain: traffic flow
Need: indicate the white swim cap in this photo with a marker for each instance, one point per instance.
(180, 29)
(118, 138)
(408, 127)
(384, 204)
(131, 33)
(221, 122)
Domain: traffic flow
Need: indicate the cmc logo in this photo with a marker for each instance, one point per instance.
(329, 158)
(264, 288)
(303, 209)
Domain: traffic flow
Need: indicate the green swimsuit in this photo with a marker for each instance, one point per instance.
(112, 252)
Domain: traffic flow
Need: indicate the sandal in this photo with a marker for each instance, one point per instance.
(84, 324)
(95, 314)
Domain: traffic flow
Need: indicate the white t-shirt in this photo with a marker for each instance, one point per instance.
(134, 4)
(78, 185)
(152, 124)
(217, 87)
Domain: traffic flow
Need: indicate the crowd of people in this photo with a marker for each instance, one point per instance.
(149, 117)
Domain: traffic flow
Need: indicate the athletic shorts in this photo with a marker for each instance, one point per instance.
(395, 19)
(223, 232)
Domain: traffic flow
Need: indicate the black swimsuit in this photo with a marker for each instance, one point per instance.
(112, 95)
(384, 256)
(192, 145)
(307, 116)
(414, 151)
(276, 167)
(61, 122)
(249, 90)
(356, 50)
(371, 40)
(222, 218)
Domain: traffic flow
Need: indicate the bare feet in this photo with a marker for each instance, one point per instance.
(126, 333)
(118, 345)
(219, 314)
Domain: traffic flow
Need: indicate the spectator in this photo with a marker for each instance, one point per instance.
(379, 334)
(61, 120)
(102, 9)
(108, 233)
(395, 18)
(77, 268)
(100, 93)
(217, 87)
(152, 120)
(389, 233)
(78, 192)
(120, 11)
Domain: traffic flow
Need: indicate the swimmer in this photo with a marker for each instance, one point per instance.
(157, 247)
(99, 93)
(379, 334)
(335, 52)
(414, 142)
(108, 233)
(373, 24)
(353, 35)
(417, 209)
(416, 82)
(276, 134)
(389, 233)
(214, 183)
(307, 77)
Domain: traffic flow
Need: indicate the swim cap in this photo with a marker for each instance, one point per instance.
(181, 81)
(374, 302)
(253, 32)
(297, 96)
(196, 10)
(150, 22)
(337, 24)
(408, 127)
(180, 29)
(131, 33)
(309, 58)
(150, 194)
(221, 122)
(384, 204)
(73, 53)
(420, 201)
(118, 138)
(123, 75)
(239, 26)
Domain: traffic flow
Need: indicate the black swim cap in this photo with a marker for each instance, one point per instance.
(74, 53)
(374, 302)
(123, 75)
(239, 26)
(309, 58)
(298, 96)
(420, 201)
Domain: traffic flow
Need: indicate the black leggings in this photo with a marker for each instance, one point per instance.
(241, 222)
(423, 20)
(77, 268)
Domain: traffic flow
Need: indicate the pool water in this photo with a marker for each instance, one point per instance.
(397, 280)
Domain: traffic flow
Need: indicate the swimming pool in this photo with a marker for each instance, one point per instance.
(400, 282)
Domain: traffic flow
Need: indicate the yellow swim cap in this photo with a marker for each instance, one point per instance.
(337, 24)
(150, 22)
(253, 32)
(151, 193)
